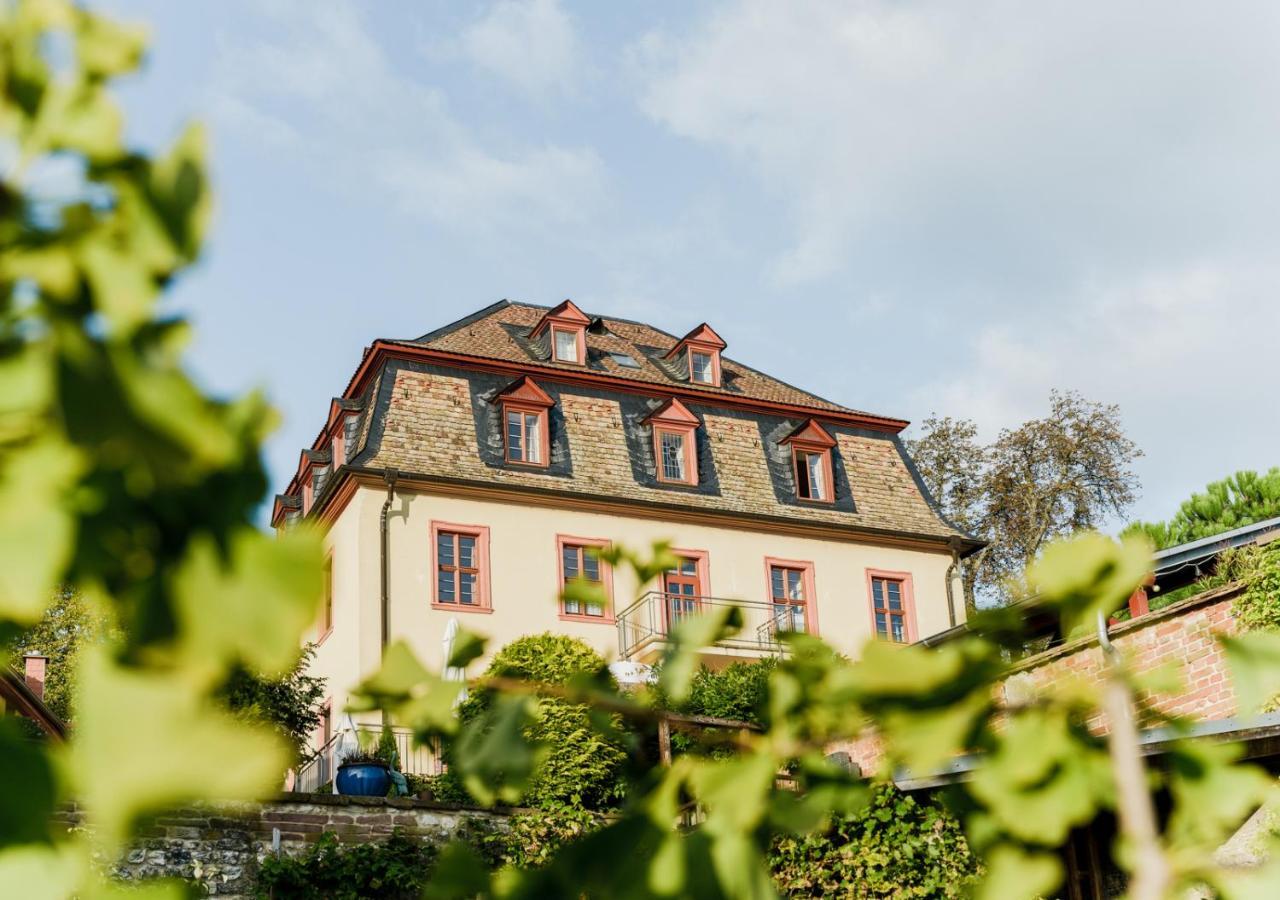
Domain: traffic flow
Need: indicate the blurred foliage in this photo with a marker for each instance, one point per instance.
(581, 767)
(292, 703)
(1237, 500)
(897, 846)
(1046, 479)
(120, 481)
(395, 869)
(1044, 772)
(530, 839)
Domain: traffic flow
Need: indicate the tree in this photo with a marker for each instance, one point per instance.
(1045, 479)
(65, 629)
(291, 703)
(1238, 500)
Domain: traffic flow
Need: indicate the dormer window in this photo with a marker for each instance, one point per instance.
(700, 350)
(811, 448)
(674, 443)
(525, 418)
(564, 330)
(566, 345)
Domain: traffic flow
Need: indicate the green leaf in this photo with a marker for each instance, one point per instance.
(1015, 873)
(1090, 574)
(1254, 660)
(29, 791)
(924, 739)
(467, 647)
(106, 48)
(40, 871)
(585, 593)
(148, 740)
(494, 755)
(1212, 795)
(687, 640)
(459, 874)
(36, 525)
(400, 676)
(220, 602)
(180, 194)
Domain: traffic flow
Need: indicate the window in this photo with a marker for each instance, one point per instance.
(566, 345)
(461, 567)
(790, 591)
(811, 474)
(325, 624)
(526, 434)
(892, 607)
(702, 367)
(673, 456)
(685, 585)
(579, 561)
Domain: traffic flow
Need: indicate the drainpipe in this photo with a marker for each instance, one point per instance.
(390, 475)
(952, 571)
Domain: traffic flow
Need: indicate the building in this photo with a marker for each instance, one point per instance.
(22, 694)
(468, 474)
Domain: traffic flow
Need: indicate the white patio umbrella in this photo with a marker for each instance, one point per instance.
(348, 742)
(451, 673)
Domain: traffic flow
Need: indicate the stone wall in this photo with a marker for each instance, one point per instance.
(220, 846)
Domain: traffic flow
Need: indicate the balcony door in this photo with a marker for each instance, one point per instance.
(682, 586)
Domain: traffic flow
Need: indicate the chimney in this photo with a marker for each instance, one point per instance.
(34, 666)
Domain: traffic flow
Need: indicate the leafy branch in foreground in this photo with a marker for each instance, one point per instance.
(120, 480)
(704, 825)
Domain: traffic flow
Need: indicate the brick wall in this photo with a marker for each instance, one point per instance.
(220, 846)
(1183, 634)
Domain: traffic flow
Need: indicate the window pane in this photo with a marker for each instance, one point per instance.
(444, 549)
(817, 480)
(688, 566)
(595, 609)
(795, 588)
(895, 595)
(515, 437)
(881, 627)
(533, 438)
(566, 346)
(570, 557)
(444, 587)
(590, 567)
(466, 551)
(572, 607)
(899, 632)
(467, 588)
(877, 592)
(803, 488)
(775, 579)
(672, 456)
(702, 368)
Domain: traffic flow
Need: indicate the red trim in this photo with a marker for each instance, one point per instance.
(688, 435)
(544, 434)
(527, 391)
(715, 363)
(566, 313)
(807, 579)
(580, 337)
(908, 601)
(673, 413)
(606, 578)
(702, 568)
(481, 534)
(326, 601)
(828, 472)
(812, 434)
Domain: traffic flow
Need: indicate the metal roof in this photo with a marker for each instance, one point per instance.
(1171, 559)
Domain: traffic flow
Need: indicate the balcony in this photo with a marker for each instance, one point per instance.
(644, 627)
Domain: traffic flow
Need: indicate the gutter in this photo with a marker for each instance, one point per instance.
(391, 475)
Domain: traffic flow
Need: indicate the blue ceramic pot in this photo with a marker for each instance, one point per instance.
(363, 780)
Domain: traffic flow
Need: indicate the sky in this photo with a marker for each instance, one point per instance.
(906, 207)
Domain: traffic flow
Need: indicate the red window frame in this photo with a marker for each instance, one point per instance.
(324, 626)
(579, 340)
(907, 614)
(810, 600)
(715, 364)
(544, 433)
(800, 450)
(688, 436)
(479, 567)
(583, 545)
(700, 581)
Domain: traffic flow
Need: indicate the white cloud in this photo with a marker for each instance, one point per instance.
(320, 85)
(1032, 135)
(531, 44)
(1187, 353)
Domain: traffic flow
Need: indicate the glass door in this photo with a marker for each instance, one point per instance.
(683, 590)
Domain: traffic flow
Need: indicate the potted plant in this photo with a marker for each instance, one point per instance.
(364, 773)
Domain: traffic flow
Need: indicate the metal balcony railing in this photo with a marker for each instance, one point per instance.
(319, 770)
(652, 617)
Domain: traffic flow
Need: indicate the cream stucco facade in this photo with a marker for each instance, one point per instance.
(524, 575)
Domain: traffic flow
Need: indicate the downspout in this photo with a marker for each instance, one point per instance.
(952, 570)
(390, 475)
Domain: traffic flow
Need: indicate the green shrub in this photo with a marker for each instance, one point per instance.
(583, 768)
(1258, 608)
(531, 839)
(396, 869)
(896, 847)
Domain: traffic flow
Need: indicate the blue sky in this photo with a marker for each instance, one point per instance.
(907, 207)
